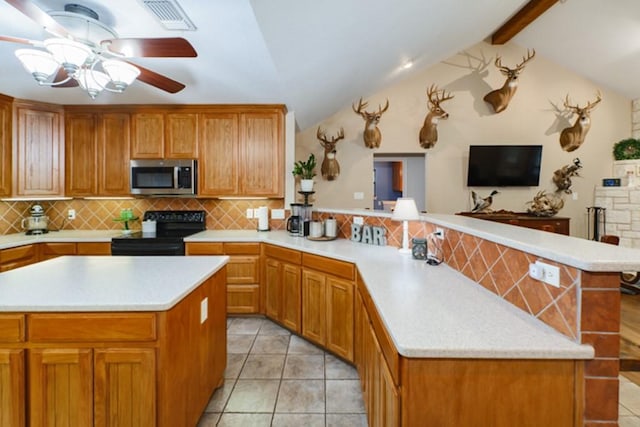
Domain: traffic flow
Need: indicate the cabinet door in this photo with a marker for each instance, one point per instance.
(12, 388)
(389, 396)
(182, 136)
(53, 250)
(18, 257)
(261, 155)
(314, 306)
(38, 161)
(147, 135)
(6, 119)
(125, 392)
(291, 297)
(81, 131)
(218, 148)
(273, 289)
(60, 387)
(113, 154)
(340, 317)
(93, 248)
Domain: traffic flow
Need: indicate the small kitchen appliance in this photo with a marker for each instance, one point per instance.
(164, 177)
(37, 223)
(294, 222)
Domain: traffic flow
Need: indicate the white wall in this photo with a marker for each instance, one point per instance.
(530, 119)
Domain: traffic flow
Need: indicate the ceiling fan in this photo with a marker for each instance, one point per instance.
(88, 53)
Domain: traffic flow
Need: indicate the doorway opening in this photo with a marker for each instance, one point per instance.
(398, 175)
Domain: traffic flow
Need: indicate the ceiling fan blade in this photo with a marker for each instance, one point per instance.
(173, 47)
(39, 16)
(16, 40)
(62, 75)
(158, 80)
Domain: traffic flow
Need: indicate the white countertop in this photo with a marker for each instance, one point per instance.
(19, 239)
(430, 311)
(101, 283)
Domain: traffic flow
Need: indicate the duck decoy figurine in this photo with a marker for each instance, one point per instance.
(482, 204)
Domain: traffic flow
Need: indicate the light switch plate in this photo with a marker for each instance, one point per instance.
(277, 213)
(358, 220)
(358, 195)
(550, 274)
(204, 310)
(249, 213)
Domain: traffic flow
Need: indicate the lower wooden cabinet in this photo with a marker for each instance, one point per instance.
(93, 248)
(12, 388)
(243, 272)
(282, 286)
(53, 250)
(17, 257)
(327, 311)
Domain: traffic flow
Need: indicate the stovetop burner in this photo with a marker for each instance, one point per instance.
(171, 229)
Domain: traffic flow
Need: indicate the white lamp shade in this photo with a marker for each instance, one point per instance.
(121, 73)
(405, 210)
(37, 62)
(67, 51)
(92, 81)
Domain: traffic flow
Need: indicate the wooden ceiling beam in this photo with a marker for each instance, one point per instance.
(520, 20)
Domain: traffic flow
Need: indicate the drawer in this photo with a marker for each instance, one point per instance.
(51, 250)
(19, 253)
(93, 248)
(243, 299)
(242, 248)
(342, 269)
(85, 327)
(11, 327)
(289, 255)
(243, 269)
(204, 248)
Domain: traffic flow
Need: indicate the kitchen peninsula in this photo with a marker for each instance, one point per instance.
(112, 340)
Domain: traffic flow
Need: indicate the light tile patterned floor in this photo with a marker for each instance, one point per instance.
(629, 409)
(274, 378)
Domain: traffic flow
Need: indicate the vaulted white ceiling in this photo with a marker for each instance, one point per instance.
(318, 56)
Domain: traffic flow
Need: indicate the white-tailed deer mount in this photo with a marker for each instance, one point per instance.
(429, 131)
(572, 137)
(371, 135)
(500, 98)
(330, 167)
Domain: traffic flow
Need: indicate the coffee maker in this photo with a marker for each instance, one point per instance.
(295, 221)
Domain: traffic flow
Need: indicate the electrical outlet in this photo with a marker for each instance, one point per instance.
(547, 273)
(277, 213)
(71, 214)
(358, 220)
(204, 310)
(439, 233)
(249, 213)
(358, 195)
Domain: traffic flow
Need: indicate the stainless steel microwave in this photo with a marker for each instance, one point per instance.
(164, 177)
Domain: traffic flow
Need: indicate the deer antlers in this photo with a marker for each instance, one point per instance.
(371, 135)
(519, 67)
(330, 167)
(571, 138)
(499, 99)
(576, 108)
(429, 131)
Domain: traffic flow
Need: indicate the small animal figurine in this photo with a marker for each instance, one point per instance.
(571, 138)
(429, 131)
(562, 177)
(482, 204)
(330, 167)
(499, 99)
(371, 135)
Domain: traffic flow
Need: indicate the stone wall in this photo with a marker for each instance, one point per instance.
(635, 118)
(622, 213)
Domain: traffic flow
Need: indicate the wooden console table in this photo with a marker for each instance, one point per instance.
(554, 224)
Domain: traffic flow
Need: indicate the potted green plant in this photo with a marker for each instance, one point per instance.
(306, 172)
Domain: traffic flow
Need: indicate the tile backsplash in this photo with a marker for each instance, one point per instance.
(99, 214)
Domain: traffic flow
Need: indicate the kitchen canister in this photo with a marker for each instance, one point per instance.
(330, 227)
(148, 227)
(315, 229)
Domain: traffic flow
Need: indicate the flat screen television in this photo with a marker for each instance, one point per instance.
(504, 165)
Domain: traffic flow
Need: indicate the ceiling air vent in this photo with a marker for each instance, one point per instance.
(169, 13)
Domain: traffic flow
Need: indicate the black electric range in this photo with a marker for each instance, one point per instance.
(171, 229)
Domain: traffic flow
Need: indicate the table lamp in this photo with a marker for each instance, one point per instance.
(405, 211)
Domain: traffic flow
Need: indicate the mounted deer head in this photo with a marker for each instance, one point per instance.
(499, 98)
(429, 131)
(371, 135)
(330, 167)
(572, 137)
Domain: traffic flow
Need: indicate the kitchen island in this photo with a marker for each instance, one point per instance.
(137, 341)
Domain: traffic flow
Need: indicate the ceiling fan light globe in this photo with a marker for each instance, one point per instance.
(122, 74)
(40, 64)
(69, 53)
(92, 81)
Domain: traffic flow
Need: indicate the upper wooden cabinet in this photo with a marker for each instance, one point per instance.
(38, 150)
(242, 154)
(97, 153)
(6, 118)
(158, 135)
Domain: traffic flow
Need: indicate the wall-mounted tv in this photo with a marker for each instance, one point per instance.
(504, 165)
